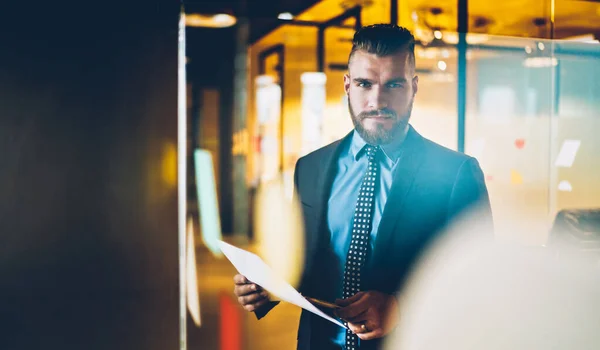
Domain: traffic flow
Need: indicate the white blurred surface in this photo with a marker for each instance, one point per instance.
(468, 293)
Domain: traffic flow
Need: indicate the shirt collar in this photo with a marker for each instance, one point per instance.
(392, 151)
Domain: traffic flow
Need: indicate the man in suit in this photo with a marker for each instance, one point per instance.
(373, 200)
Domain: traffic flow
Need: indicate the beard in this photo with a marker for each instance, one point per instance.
(381, 135)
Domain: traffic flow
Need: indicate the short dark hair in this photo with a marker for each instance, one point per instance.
(383, 40)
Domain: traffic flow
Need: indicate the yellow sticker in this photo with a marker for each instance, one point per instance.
(515, 177)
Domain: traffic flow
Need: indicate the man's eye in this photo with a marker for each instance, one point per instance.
(364, 85)
(394, 85)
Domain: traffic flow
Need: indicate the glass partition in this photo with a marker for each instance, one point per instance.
(508, 129)
(531, 109)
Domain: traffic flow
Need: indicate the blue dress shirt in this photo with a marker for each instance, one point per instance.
(351, 168)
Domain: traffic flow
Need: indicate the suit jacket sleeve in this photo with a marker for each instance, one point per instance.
(470, 197)
(264, 310)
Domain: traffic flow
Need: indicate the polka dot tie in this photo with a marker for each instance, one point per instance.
(361, 230)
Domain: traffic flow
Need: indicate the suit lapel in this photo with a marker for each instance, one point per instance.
(404, 176)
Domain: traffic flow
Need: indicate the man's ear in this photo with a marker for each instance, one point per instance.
(347, 82)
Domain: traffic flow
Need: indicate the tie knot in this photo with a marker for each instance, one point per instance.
(371, 151)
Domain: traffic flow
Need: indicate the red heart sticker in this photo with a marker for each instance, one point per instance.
(520, 143)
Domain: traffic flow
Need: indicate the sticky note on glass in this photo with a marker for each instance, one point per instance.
(567, 153)
(565, 186)
(515, 177)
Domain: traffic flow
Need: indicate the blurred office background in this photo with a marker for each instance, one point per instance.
(92, 242)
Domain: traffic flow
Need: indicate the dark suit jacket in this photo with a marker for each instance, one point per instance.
(432, 185)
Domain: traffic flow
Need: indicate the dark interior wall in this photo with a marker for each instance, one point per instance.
(88, 215)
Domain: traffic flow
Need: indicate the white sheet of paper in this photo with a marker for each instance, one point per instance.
(257, 271)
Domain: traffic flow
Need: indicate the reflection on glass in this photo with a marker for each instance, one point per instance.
(268, 115)
(313, 108)
(210, 222)
(191, 281)
(536, 102)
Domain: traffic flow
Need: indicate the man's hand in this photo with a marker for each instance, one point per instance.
(250, 295)
(369, 314)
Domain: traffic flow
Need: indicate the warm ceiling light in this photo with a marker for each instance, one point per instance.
(442, 65)
(286, 16)
(221, 20)
(437, 34)
(263, 80)
(316, 78)
(414, 16)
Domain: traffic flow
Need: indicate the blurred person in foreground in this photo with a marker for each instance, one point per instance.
(372, 201)
(466, 294)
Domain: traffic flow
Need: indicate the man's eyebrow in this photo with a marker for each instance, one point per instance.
(391, 81)
(397, 80)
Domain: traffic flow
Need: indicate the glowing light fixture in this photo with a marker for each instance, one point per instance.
(224, 19)
(437, 34)
(286, 16)
(313, 108)
(220, 20)
(442, 65)
(313, 78)
(263, 80)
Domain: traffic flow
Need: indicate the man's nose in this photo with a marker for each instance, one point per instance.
(378, 98)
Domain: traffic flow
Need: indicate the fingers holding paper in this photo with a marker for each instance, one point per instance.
(250, 295)
(369, 314)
